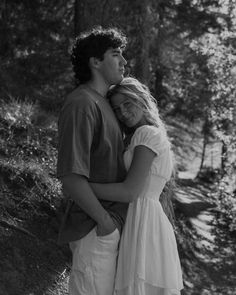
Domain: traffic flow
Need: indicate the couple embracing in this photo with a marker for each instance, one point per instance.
(121, 240)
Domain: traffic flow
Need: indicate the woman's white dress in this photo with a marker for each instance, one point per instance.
(148, 261)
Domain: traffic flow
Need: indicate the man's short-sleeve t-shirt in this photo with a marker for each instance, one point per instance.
(89, 144)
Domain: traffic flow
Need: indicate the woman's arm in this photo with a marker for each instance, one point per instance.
(128, 190)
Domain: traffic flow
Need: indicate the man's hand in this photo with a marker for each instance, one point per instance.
(106, 227)
(79, 190)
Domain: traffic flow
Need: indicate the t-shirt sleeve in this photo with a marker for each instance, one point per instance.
(151, 137)
(76, 130)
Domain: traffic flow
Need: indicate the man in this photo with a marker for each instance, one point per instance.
(90, 150)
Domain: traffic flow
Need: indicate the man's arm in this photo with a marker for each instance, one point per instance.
(78, 188)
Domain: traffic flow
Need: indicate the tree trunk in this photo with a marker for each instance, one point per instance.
(86, 15)
(205, 131)
(146, 23)
(78, 16)
(203, 152)
(5, 47)
(223, 157)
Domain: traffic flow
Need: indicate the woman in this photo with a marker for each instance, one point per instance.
(148, 261)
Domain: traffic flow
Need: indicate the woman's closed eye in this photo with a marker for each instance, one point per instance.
(126, 105)
(116, 109)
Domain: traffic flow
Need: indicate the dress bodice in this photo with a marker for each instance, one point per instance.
(155, 139)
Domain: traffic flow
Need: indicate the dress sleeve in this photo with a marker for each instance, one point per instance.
(151, 137)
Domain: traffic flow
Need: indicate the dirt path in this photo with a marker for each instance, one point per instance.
(209, 257)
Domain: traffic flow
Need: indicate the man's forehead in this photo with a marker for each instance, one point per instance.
(115, 50)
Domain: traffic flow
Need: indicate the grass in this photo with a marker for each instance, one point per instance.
(30, 259)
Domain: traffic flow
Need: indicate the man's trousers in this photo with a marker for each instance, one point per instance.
(94, 264)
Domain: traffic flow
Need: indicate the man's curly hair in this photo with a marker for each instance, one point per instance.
(93, 43)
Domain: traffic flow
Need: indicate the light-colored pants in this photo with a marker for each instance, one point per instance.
(94, 264)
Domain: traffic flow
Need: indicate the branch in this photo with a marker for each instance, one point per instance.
(15, 227)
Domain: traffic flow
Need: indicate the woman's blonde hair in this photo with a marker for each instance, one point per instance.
(141, 96)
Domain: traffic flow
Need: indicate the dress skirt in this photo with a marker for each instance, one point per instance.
(148, 261)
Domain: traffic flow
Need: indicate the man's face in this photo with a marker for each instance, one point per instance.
(112, 67)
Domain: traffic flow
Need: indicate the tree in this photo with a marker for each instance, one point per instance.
(34, 51)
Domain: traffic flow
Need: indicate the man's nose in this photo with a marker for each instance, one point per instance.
(123, 60)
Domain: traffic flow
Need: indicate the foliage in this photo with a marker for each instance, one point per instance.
(33, 50)
(209, 175)
(30, 194)
(28, 155)
(219, 48)
(225, 197)
(35, 54)
(184, 50)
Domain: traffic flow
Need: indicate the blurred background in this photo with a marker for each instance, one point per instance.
(185, 51)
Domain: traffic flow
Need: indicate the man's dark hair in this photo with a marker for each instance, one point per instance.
(93, 43)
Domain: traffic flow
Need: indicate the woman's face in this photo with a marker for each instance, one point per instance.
(127, 111)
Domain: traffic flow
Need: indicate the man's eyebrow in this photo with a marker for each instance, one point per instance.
(116, 50)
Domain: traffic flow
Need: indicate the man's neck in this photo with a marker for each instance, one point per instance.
(98, 87)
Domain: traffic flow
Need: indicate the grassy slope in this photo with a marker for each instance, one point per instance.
(30, 260)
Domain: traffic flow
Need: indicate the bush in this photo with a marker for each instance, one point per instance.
(209, 175)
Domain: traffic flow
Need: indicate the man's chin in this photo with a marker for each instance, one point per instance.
(121, 78)
(117, 81)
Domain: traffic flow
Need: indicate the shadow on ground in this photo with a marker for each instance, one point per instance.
(192, 210)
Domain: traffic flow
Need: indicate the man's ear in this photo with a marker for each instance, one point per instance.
(94, 62)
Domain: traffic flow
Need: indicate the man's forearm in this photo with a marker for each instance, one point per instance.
(78, 188)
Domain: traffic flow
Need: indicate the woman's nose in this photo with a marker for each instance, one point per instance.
(123, 110)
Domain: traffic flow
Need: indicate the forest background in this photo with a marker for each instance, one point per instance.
(185, 51)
